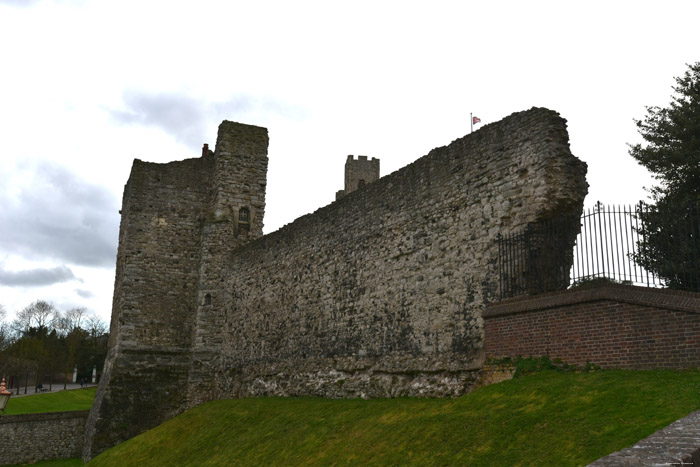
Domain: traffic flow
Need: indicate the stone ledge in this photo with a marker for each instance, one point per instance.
(676, 300)
(677, 444)
(44, 416)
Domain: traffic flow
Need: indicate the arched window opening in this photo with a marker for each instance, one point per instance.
(207, 299)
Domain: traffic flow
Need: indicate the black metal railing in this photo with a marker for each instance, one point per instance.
(638, 245)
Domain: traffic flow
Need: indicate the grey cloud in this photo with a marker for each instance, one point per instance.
(37, 277)
(62, 217)
(19, 3)
(180, 116)
(188, 119)
(84, 293)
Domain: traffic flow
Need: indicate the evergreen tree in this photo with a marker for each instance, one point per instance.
(671, 227)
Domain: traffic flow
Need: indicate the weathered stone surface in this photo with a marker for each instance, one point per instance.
(358, 173)
(676, 445)
(45, 436)
(179, 223)
(378, 294)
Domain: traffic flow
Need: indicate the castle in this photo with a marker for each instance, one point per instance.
(379, 294)
(358, 172)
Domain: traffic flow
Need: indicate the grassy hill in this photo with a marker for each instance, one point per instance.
(547, 418)
(76, 399)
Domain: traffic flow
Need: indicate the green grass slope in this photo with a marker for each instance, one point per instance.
(547, 418)
(76, 399)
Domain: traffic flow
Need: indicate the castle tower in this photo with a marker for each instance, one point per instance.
(235, 218)
(240, 177)
(358, 173)
(180, 222)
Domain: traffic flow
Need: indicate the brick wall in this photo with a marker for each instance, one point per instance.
(44, 436)
(613, 326)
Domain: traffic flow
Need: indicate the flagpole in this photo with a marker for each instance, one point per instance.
(471, 122)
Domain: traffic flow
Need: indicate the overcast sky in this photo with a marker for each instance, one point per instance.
(87, 86)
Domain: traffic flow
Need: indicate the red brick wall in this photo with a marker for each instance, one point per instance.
(613, 326)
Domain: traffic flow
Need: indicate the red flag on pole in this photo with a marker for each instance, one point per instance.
(476, 120)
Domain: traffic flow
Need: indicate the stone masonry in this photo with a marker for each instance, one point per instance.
(381, 293)
(676, 445)
(30, 438)
(358, 173)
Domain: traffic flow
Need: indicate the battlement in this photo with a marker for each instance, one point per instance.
(358, 173)
(361, 158)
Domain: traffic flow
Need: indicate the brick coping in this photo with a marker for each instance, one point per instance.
(676, 300)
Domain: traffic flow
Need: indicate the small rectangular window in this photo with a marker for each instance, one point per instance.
(243, 215)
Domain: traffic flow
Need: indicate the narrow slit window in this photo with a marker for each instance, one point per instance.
(244, 215)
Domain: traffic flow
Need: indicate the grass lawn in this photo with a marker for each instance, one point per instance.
(546, 418)
(76, 399)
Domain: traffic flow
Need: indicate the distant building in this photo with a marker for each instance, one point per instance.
(358, 173)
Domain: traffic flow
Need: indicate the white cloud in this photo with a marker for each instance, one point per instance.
(91, 85)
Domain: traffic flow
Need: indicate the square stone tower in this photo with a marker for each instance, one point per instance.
(180, 223)
(358, 173)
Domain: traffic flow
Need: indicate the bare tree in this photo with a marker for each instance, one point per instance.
(41, 313)
(22, 322)
(60, 322)
(95, 326)
(75, 316)
(4, 331)
(3, 328)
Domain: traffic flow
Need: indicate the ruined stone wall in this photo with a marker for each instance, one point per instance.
(378, 294)
(180, 222)
(155, 293)
(30, 438)
(381, 293)
(240, 179)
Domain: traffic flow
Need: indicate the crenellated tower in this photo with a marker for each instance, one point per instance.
(358, 173)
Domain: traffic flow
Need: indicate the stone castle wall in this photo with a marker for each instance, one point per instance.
(180, 222)
(155, 299)
(240, 179)
(378, 294)
(381, 293)
(358, 173)
(30, 438)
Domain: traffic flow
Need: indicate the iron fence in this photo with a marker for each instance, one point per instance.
(639, 245)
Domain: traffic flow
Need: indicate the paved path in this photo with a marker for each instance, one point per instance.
(54, 388)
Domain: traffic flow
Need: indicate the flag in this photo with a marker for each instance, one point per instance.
(476, 120)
